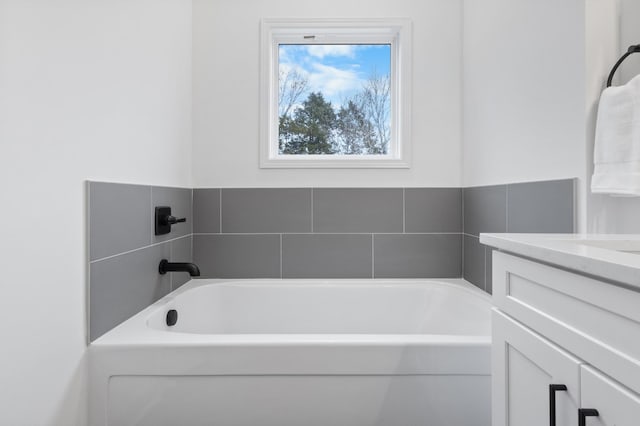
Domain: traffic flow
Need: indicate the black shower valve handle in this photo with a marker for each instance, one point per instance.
(172, 220)
(164, 220)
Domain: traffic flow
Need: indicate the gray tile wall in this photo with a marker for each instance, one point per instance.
(328, 232)
(531, 207)
(124, 253)
(302, 233)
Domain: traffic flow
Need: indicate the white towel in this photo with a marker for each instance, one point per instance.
(617, 148)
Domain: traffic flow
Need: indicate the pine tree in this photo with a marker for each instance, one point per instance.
(311, 131)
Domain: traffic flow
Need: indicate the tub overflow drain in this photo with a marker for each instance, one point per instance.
(172, 317)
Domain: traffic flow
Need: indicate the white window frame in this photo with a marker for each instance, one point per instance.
(397, 32)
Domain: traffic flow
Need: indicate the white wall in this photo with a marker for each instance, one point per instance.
(226, 74)
(617, 214)
(533, 73)
(89, 90)
(523, 83)
(629, 34)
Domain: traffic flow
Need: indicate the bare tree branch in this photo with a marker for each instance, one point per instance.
(377, 98)
(292, 86)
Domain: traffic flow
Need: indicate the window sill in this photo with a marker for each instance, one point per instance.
(332, 162)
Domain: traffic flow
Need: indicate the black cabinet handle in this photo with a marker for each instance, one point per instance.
(552, 402)
(583, 413)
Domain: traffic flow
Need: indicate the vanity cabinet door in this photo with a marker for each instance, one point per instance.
(616, 404)
(524, 364)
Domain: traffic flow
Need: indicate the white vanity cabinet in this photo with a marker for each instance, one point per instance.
(616, 404)
(556, 327)
(525, 366)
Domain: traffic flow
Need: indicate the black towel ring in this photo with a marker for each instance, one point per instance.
(632, 49)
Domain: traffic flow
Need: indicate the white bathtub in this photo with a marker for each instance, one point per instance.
(299, 353)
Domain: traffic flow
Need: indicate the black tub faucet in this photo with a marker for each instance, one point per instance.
(166, 266)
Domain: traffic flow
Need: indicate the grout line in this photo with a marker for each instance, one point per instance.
(171, 259)
(471, 235)
(152, 210)
(462, 255)
(220, 208)
(404, 211)
(462, 227)
(312, 210)
(280, 256)
(138, 249)
(462, 208)
(373, 257)
(506, 208)
(574, 203)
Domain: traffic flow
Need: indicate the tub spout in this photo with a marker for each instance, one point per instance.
(166, 266)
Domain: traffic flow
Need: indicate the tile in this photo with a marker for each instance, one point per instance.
(326, 256)
(488, 280)
(119, 218)
(541, 206)
(264, 210)
(123, 285)
(474, 261)
(357, 210)
(206, 210)
(418, 256)
(433, 209)
(485, 209)
(237, 256)
(180, 252)
(179, 199)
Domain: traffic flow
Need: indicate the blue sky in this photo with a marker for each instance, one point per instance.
(336, 70)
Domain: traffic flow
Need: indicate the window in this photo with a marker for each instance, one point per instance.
(335, 93)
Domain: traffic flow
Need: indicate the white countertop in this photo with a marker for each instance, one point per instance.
(614, 257)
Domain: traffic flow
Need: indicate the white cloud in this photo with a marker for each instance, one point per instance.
(286, 67)
(333, 82)
(322, 50)
(283, 55)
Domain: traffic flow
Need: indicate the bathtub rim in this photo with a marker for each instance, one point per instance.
(135, 332)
